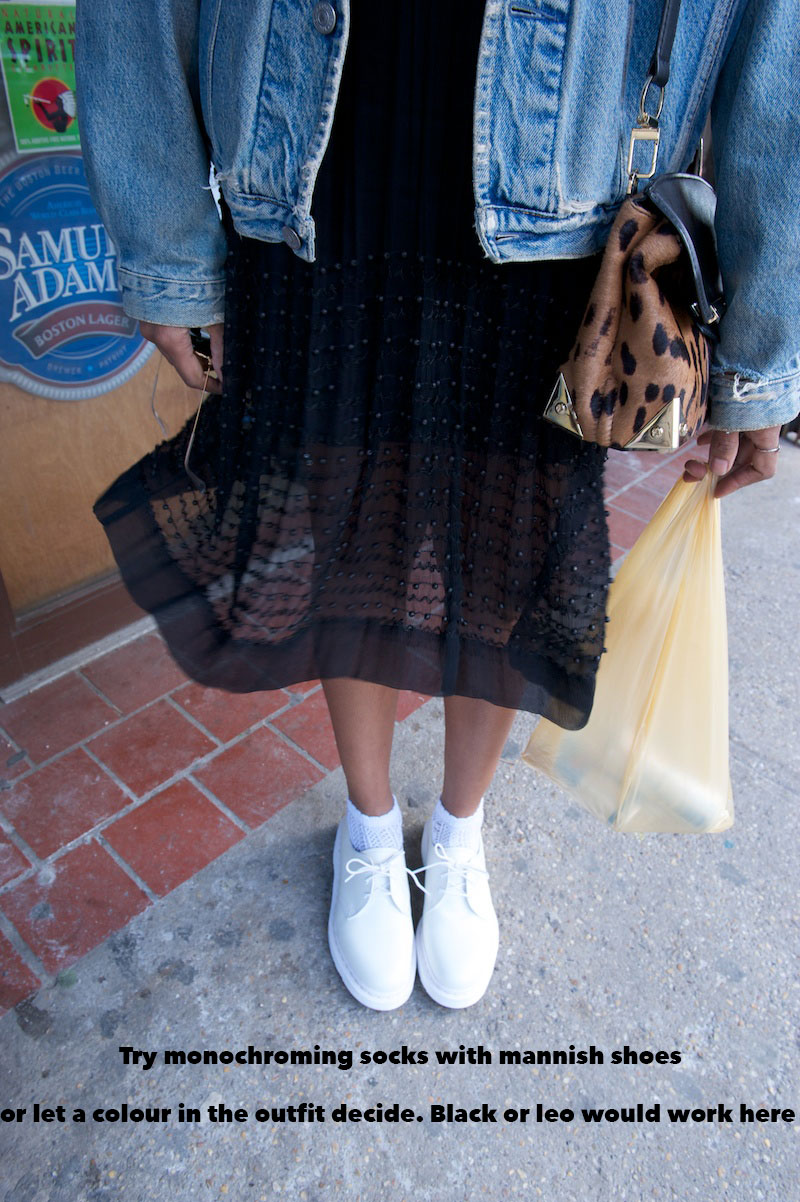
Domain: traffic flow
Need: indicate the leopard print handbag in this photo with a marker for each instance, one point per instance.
(637, 375)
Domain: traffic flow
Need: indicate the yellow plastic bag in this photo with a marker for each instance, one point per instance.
(654, 754)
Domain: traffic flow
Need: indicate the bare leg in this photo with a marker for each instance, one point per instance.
(363, 717)
(475, 734)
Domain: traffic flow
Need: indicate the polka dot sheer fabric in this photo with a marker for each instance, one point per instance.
(381, 500)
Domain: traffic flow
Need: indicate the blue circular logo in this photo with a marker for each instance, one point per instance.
(64, 334)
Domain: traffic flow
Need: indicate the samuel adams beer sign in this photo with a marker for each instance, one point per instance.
(63, 333)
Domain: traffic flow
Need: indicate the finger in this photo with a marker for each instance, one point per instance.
(215, 333)
(757, 459)
(767, 439)
(209, 381)
(744, 474)
(175, 345)
(694, 469)
(723, 447)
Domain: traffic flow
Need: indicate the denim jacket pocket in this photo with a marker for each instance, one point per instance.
(542, 136)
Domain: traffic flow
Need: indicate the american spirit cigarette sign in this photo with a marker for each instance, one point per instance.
(37, 53)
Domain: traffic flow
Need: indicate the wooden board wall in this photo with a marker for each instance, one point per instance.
(56, 458)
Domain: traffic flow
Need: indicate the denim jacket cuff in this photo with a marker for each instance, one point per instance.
(172, 302)
(736, 403)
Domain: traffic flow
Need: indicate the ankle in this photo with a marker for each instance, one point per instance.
(452, 831)
(379, 830)
(373, 803)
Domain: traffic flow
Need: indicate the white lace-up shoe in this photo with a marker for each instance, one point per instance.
(457, 936)
(370, 932)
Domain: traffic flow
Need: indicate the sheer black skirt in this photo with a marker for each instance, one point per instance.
(381, 499)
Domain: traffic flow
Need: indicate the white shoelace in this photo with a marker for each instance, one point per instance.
(459, 869)
(383, 869)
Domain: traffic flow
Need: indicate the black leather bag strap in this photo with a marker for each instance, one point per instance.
(646, 128)
(659, 65)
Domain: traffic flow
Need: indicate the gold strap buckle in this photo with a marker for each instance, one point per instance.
(642, 134)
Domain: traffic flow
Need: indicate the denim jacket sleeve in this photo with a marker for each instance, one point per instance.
(139, 111)
(756, 145)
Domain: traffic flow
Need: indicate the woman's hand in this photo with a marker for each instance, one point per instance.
(738, 458)
(176, 346)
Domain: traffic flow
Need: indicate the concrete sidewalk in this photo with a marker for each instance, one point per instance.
(654, 943)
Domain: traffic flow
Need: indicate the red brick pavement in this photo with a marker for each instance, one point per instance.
(121, 780)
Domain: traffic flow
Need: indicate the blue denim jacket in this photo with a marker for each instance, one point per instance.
(167, 86)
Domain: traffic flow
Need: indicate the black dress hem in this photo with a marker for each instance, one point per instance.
(396, 657)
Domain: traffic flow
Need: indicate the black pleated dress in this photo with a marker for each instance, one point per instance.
(382, 500)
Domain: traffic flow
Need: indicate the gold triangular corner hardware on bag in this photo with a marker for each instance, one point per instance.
(663, 432)
(560, 410)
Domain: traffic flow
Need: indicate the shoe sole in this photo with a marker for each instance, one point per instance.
(434, 990)
(372, 1000)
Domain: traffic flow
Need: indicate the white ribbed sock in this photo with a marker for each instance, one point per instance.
(384, 831)
(456, 832)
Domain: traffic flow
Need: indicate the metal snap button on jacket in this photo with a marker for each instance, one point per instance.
(291, 237)
(324, 18)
